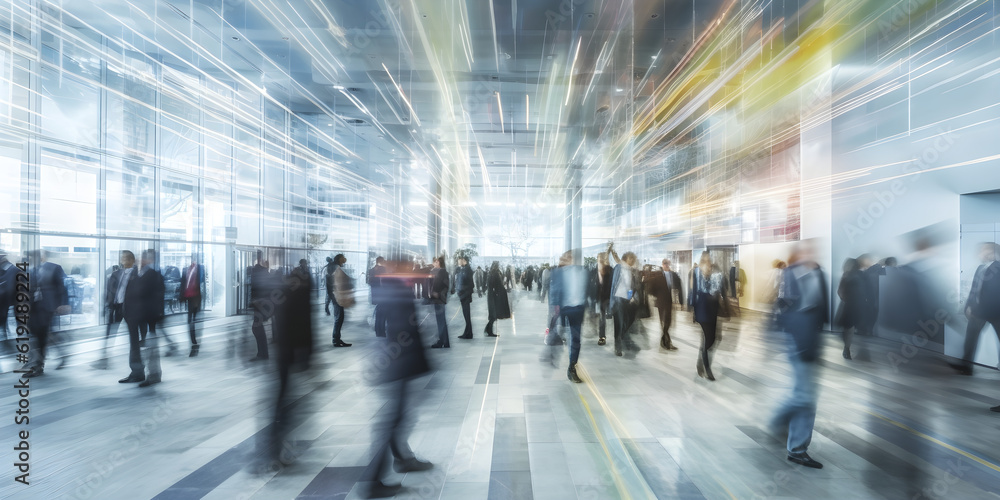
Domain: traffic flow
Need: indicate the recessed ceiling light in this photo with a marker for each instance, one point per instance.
(619, 90)
(329, 124)
(338, 87)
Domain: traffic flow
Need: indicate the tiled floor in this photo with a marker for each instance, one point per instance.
(498, 423)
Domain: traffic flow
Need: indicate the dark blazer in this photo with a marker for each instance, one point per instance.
(293, 325)
(464, 284)
(704, 305)
(658, 287)
(113, 281)
(401, 331)
(803, 325)
(439, 286)
(496, 296)
(50, 280)
(144, 296)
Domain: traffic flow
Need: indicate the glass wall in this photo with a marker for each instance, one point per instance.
(123, 141)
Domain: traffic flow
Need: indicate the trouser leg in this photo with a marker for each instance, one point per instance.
(467, 313)
(442, 324)
(194, 307)
(665, 321)
(972, 332)
(575, 317)
(151, 351)
(134, 348)
(258, 333)
(707, 344)
(602, 320)
(338, 321)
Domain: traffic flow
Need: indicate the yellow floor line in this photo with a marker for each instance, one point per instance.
(938, 442)
(622, 490)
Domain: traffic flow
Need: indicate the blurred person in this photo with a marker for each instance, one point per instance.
(376, 296)
(49, 297)
(624, 297)
(604, 278)
(544, 282)
(662, 284)
(528, 278)
(704, 298)
(263, 307)
(114, 299)
(329, 268)
(343, 297)
(480, 280)
(982, 305)
(192, 283)
(870, 271)
(568, 295)
(439, 297)
(738, 282)
(803, 311)
(853, 293)
(150, 284)
(462, 286)
(8, 287)
(496, 298)
(292, 327)
(398, 360)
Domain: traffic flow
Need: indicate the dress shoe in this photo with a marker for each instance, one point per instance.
(961, 369)
(411, 465)
(996, 409)
(35, 372)
(618, 352)
(806, 460)
(664, 343)
(259, 358)
(194, 350)
(340, 343)
(492, 335)
(847, 354)
(571, 373)
(671, 347)
(378, 489)
(602, 341)
(132, 379)
(150, 381)
(466, 337)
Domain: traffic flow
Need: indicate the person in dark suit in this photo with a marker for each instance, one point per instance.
(703, 298)
(802, 311)
(114, 299)
(49, 298)
(462, 286)
(662, 284)
(853, 294)
(292, 325)
(262, 306)
(143, 305)
(496, 298)
(982, 305)
(438, 296)
(8, 280)
(394, 372)
(480, 279)
(604, 278)
(192, 283)
(376, 295)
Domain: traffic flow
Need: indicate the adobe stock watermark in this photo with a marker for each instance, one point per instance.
(899, 15)
(886, 198)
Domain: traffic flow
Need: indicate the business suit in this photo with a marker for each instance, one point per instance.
(262, 307)
(376, 296)
(142, 308)
(979, 314)
(704, 297)
(463, 286)
(661, 284)
(49, 294)
(439, 297)
(192, 281)
(803, 309)
(496, 299)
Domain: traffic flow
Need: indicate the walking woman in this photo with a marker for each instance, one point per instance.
(706, 288)
(439, 297)
(852, 296)
(496, 298)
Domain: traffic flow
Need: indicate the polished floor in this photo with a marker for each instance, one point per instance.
(498, 423)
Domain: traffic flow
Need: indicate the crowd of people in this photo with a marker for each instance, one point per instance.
(611, 287)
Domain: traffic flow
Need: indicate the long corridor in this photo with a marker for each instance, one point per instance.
(499, 423)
